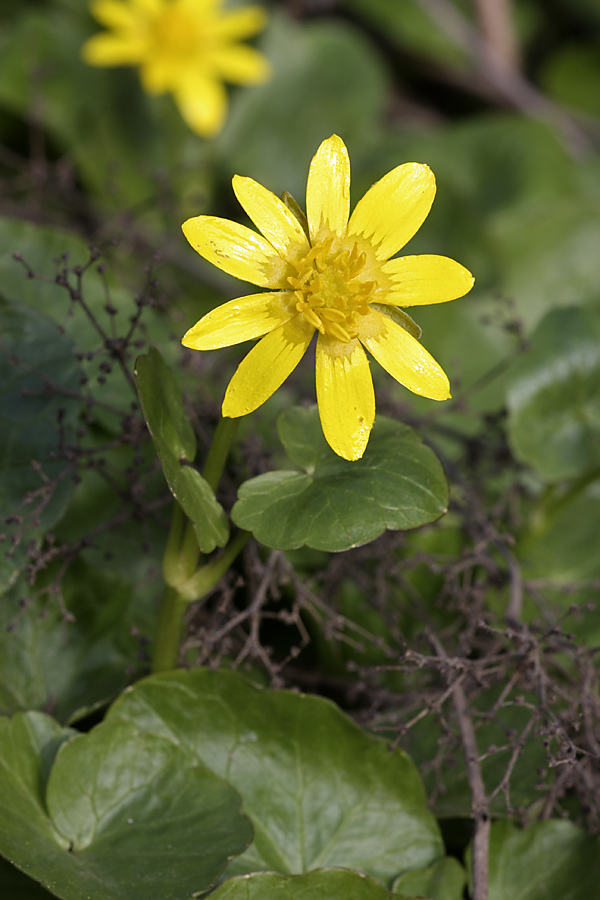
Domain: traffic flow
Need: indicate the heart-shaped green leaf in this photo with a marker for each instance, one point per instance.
(553, 860)
(114, 813)
(554, 398)
(326, 884)
(335, 504)
(318, 789)
(175, 443)
(444, 880)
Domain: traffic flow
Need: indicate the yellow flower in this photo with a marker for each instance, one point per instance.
(187, 47)
(331, 273)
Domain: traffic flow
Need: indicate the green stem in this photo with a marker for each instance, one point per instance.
(175, 601)
(169, 629)
(181, 553)
(185, 583)
(218, 451)
(208, 576)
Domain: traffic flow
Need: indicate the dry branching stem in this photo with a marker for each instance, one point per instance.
(479, 800)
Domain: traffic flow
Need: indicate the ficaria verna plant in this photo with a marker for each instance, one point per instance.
(332, 273)
(275, 625)
(184, 47)
(329, 272)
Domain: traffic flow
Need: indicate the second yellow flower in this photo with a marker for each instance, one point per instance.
(185, 47)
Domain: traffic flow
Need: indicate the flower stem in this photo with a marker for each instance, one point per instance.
(184, 582)
(207, 577)
(218, 451)
(176, 600)
(165, 652)
(181, 553)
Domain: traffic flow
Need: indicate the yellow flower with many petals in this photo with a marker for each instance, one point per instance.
(328, 272)
(186, 47)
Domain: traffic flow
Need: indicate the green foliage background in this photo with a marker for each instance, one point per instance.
(203, 779)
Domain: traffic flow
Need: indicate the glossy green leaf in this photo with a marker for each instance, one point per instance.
(319, 791)
(38, 370)
(112, 813)
(554, 397)
(69, 665)
(28, 745)
(175, 442)
(444, 880)
(335, 504)
(552, 860)
(326, 884)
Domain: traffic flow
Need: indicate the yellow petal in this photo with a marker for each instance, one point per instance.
(203, 104)
(148, 8)
(236, 250)
(107, 50)
(403, 357)
(238, 24)
(418, 280)
(272, 217)
(201, 10)
(328, 190)
(394, 208)
(242, 319)
(345, 396)
(266, 367)
(241, 65)
(157, 73)
(113, 14)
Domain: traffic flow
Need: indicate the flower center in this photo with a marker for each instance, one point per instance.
(330, 290)
(175, 32)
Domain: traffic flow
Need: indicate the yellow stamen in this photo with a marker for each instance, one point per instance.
(330, 288)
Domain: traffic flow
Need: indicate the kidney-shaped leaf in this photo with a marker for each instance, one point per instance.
(114, 813)
(553, 860)
(554, 398)
(318, 789)
(334, 504)
(326, 884)
(175, 442)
